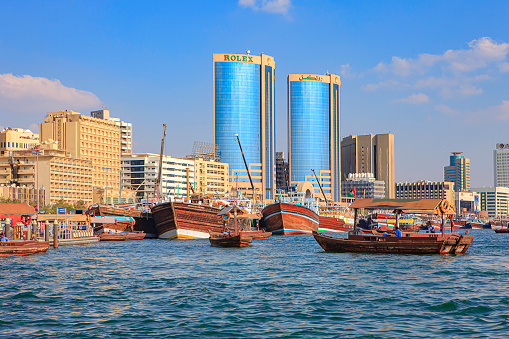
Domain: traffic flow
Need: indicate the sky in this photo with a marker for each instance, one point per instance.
(434, 73)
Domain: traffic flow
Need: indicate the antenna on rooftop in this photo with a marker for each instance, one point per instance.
(248, 52)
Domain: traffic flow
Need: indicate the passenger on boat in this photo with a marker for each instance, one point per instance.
(432, 229)
(4, 238)
(398, 232)
(226, 231)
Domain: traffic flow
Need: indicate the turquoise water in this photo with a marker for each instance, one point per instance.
(285, 287)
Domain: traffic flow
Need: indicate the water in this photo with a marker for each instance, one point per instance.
(285, 287)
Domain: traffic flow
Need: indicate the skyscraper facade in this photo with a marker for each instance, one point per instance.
(458, 172)
(501, 165)
(244, 102)
(314, 131)
(370, 154)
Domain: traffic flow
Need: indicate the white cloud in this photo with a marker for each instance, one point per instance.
(490, 114)
(480, 54)
(446, 110)
(271, 6)
(504, 67)
(345, 70)
(35, 95)
(419, 98)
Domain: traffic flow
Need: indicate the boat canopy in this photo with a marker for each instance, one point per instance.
(438, 206)
(229, 210)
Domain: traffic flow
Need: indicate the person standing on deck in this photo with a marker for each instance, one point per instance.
(398, 232)
(3, 238)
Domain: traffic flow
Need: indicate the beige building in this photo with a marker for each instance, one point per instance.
(24, 194)
(93, 139)
(211, 176)
(17, 139)
(56, 171)
(426, 190)
(126, 129)
(370, 154)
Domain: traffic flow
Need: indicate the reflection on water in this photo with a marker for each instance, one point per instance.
(285, 286)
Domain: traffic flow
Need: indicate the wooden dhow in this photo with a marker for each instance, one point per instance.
(16, 248)
(186, 220)
(410, 243)
(283, 218)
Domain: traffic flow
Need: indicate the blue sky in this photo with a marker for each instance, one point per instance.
(434, 73)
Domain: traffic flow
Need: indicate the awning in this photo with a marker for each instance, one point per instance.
(16, 209)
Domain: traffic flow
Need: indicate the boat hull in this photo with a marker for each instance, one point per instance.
(239, 240)
(331, 224)
(17, 248)
(418, 244)
(289, 219)
(176, 220)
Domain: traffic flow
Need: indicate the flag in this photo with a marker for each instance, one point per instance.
(352, 193)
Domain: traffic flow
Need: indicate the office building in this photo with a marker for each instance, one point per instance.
(494, 200)
(140, 170)
(244, 102)
(17, 139)
(365, 186)
(25, 194)
(425, 189)
(467, 202)
(458, 172)
(52, 170)
(282, 171)
(126, 130)
(370, 154)
(93, 139)
(212, 177)
(501, 165)
(314, 139)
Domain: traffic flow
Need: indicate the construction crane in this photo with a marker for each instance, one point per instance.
(247, 169)
(157, 186)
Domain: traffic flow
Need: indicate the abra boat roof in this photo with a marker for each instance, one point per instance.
(405, 205)
(16, 209)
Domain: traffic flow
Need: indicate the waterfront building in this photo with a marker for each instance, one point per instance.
(23, 194)
(93, 139)
(244, 104)
(17, 139)
(365, 184)
(494, 200)
(467, 202)
(140, 170)
(370, 154)
(458, 172)
(425, 189)
(501, 165)
(314, 139)
(282, 171)
(212, 177)
(126, 129)
(56, 171)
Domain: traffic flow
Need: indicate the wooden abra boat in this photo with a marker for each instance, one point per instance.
(17, 248)
(121, 236)
(226, 240)
(502, 230)
(289, 219)
(409, 243)
(186, 220)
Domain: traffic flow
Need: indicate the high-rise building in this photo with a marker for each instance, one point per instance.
(244, 102)
(140, 170)
(501, 165)
(282, 171)
(494, 200)
(458, 172)
(93, 139)
(17, 139)
(370, 154)
(314, 138)
(126, 129)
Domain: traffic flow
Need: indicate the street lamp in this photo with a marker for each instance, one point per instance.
(37, 178)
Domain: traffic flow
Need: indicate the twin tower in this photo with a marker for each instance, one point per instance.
(244, 104)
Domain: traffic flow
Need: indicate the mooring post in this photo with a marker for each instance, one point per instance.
(46, 230)
(56, 227)
(36, 229)
(29, 231)
(7, 228)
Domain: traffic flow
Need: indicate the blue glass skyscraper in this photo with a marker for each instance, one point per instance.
(244, 105)
(314, 137)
